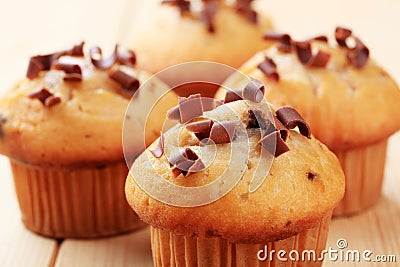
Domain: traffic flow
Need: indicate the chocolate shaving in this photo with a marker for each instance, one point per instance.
(268, 67)
(358, 56)
(284, 40)
(190, 107)
(233, 95)
(128, 83)
(73, 72)
(96, 56)
(207, 15)
(47, 98)
(201, 129)
(341, 35)
(254, 91)
(186, 162)
(127, 57)
(158, 151)
(290, 118)
(77, 50)
(283, 131)
(244, 8)
(222, 132)
(183, 5)
(320, 59)
(274, 144)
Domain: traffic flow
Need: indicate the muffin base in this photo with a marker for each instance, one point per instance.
(179, 250)
(364, 169)
(74, 202)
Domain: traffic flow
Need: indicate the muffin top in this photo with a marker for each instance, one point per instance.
(302, 184)
(347, 98)
(70, 108)
(197, 30)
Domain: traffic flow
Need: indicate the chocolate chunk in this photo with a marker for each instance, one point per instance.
(359, 55)
(311, 176)
(158, 151)
(186, 162)
(290, 118)
(222, 132)
(233, 95)
(128, 83)
(320, 59)
(341, 35)
(201, 129)
(254, 91)
(268, 67)
(96, 56)
(190, 107)
(304, 53)
(207, 15)
(183, 5)
(73, 71)
(274, 144)
(244, 8)
(47, 98)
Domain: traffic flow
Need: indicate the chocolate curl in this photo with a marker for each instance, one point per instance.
(254, 91)
(222, 132)
(284, 40)
(45, 97)
(96, 56)
(257, 120)
(341, 35)
(274, 138)
(128, 83)
(244, 8)
(158, 151)
(186, 163)
(183, 5)
(359, 55)
(207, 15)
(304, 53)
(268, 67)
(321, 38)
(290, 118)
(233, 95)
(77, 50)
(190, 107)
(319, 60)
(73, 72)
(201, 129)
(127, 57)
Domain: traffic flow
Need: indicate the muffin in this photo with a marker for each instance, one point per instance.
(166, 33)
(350, 102)
(61, 128)
(179, 186)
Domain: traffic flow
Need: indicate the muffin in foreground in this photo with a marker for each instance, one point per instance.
(350, 102)
(167, 33)
(289, 208)
(61, 127)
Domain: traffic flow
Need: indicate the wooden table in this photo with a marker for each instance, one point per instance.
(30, 27)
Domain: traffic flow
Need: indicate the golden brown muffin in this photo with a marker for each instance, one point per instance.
(164, 35)
(350, 102)
(294, 201)
(62, 130)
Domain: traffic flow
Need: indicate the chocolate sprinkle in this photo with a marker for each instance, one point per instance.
(201, 129)
(254, 91)
(190, 107)
(46, 97)
(290, 118)
(96, 56)
(269, 140)
(186, 163)
(233, 95)
(158, 151)
(268, 67)
(129, 83)
(222, 132)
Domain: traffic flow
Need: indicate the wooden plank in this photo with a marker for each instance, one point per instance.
(18, 246)
(127, 250)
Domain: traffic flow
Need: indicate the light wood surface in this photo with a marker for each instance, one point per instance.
(30, 27)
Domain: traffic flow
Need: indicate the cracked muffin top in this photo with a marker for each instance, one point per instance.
(70, 108)
(348, 99)
(302, 185)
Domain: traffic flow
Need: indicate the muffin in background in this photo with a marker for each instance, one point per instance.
(166, 33)
(61, 128)
(350, 102)
(290, 210)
